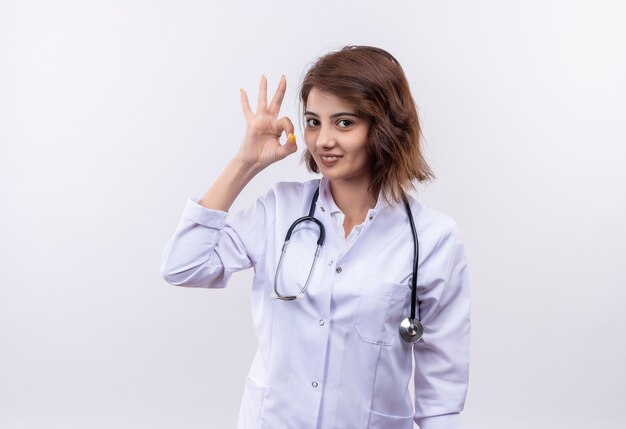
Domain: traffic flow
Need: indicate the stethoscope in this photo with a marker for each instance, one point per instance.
(410, 328)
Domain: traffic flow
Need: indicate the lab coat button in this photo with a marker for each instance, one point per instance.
(322, 322)
(338, 270)
(314, 384)
(331, 262)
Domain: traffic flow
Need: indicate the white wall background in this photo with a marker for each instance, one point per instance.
(113, 112)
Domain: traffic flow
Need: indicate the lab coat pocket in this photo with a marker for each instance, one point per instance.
(384, 421)
(251, 405)
(380, 311)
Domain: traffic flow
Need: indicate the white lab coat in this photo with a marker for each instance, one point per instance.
(334, 358)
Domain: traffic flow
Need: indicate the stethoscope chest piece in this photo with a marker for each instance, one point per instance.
(411, 330)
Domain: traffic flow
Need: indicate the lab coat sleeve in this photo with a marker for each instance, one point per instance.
(209, 245)
(442, 355)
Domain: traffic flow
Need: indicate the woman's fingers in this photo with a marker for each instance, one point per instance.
(262, 103)
(245, 105)
(282, 150)
(277, 100)
(262, 107)
(285, 124)
(286, 149)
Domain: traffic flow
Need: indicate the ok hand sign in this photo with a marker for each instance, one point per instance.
(261, 145)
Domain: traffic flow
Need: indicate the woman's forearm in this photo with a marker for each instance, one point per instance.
(228, 185)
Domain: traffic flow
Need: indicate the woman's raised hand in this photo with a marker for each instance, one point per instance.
(261, 143)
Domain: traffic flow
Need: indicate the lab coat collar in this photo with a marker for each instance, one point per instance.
(327, 204)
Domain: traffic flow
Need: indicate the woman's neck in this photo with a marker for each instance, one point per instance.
(354, 200)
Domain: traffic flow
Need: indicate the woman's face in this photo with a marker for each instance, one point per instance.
(337, 138)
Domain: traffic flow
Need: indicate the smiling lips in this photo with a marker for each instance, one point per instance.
(329, 159)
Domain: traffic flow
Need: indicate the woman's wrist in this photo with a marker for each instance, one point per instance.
(246, 167)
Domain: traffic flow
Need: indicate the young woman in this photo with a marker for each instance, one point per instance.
(339, 324)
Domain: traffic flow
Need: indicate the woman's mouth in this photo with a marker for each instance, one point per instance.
(329, 160)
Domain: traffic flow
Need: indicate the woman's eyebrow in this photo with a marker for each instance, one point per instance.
(334, 115)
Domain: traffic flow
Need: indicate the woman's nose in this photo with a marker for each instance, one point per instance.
(325, 138)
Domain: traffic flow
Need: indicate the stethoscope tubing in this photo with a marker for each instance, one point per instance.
(416, 257)
(410, 328)
(320, 241)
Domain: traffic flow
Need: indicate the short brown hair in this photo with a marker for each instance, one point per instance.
(373, 81)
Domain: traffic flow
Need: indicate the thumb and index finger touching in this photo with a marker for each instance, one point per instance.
(290, 146)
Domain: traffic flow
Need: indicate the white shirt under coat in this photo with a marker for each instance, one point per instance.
(334, 358)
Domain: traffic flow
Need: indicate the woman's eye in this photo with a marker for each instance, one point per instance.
(344, 123)
(311, 122)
